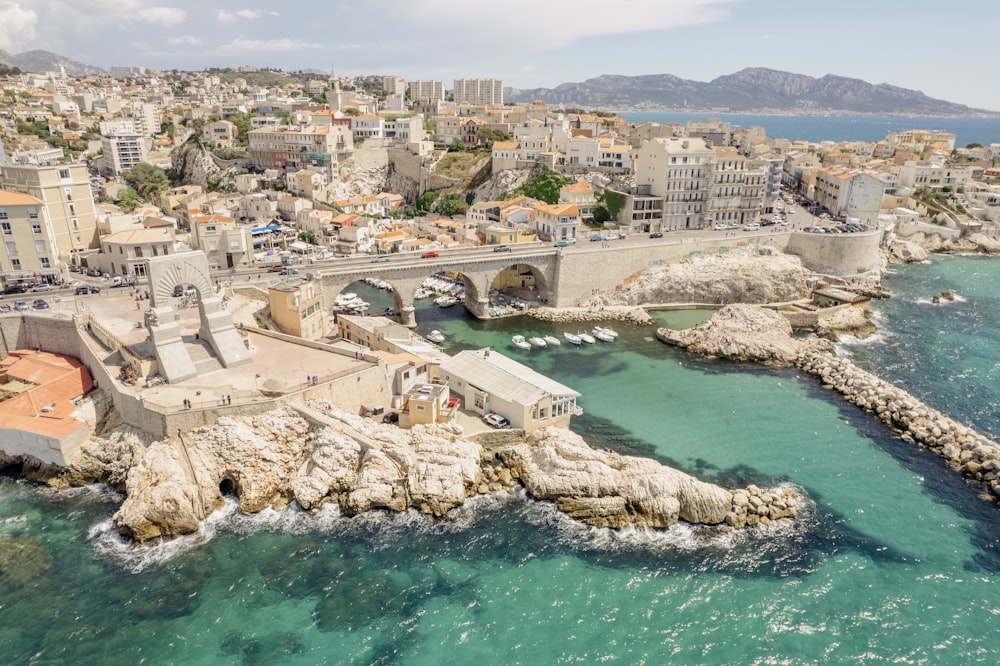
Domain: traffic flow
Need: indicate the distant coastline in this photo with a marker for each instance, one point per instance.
(845, 127)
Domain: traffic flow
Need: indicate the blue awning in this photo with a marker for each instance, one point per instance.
(270, 227)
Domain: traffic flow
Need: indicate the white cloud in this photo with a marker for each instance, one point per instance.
(568, 21)
(184, 40)
(165, 16)
(17, 25)
(224, 16)
(241, 45)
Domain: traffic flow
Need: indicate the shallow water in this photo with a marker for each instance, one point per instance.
(896, 562)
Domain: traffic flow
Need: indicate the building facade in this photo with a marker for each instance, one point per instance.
(297, 309)
(28, 255)
(680, 171)
(479, 91)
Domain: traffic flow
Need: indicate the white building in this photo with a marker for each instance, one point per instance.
(430, 90)
(122, 151)
(680, 171)
(479, 91)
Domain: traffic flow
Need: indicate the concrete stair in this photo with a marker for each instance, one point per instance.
(202, 356)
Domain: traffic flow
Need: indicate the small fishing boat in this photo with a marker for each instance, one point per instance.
(537, 341)
(610, 331)
(520, 342)
(552, 340)
(603, 335)
(586, 337)
(435, 336)
(571, 338)
(445, 301)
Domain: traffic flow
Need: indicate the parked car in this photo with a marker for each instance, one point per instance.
(14, 289)
(564, 243)
(502, 248)
(82, 291)
(611, 236)
(495, 420)
(656, 234)
(429, 255)
(21, 306)
(596, 237)
(380, 258)
(40, 304)
(42, 287)
(751, 227)
(178, 290)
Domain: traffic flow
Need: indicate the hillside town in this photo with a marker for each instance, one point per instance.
(185, 241)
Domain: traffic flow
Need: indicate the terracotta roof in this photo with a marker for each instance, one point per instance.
(42, 380)
(580, 187)
(8, 198)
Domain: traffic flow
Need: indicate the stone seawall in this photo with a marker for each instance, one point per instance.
(965, 450)
(627, 314)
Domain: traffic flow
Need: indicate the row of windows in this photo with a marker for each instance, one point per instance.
(39, 247)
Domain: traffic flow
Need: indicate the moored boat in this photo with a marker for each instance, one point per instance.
(572, 338)
(586, 337)
(435, 336)
(552, 340)
(612, 333)
(603, 335)
(520, 342)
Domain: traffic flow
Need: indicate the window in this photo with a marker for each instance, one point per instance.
(72, 209)
(36, 227)
(64, 174)
(11, 247)
(76, 224)
(40, 246)
(6, 228)
(45, 262)
(15, 264)
(33, 213)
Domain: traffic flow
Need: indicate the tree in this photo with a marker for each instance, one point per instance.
(452, 204)
(457, 146)
(487, 135)
(127, 199)
(543, 185)
(148, 181)
(307, 237)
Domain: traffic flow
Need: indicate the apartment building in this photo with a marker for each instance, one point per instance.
(225, 243)
(393, 85)
(28, 254)
(432, 91)
(479, 91)
(557, 222)
(945, 177)
(737, 188)
(298, 146)
(69, 202)
(122, 151)
(297, 309)
(680, 171)
(850, 193)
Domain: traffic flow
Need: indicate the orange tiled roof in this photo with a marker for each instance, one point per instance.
(53, 382)
(17, 199)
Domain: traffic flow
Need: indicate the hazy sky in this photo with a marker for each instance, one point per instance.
(935, 47)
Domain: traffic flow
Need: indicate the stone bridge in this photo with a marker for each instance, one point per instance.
(477, 268)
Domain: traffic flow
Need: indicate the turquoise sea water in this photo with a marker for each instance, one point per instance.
(983, 131)
(897, 562)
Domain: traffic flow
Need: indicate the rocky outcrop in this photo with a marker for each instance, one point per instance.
(831, 323)
(501, 184)
(748, 333)
(743, 333)
(972, 244)
(196, 165)
(364, 173)
(907, 252)
(732, 278)
(362, 465)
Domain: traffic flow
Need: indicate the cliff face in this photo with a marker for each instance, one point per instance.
(362, 465)
(198, 166)
(733, 278)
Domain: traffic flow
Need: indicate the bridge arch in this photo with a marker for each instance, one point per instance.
(524, 280)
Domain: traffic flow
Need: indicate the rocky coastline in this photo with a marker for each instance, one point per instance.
(315, 455)
(753, 334)
(920, 246)
(634, 315)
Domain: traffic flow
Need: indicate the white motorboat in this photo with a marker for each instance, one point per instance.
(586, 337)
(445, 301)
(552, 340)
(537, 341)
(344, 299)
(610, 331)
(435, 336)
(571, 338)
(422, 293)
(603, 335)
(520, 342)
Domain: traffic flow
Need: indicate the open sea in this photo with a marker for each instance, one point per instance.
(898, 561)
(983, 131)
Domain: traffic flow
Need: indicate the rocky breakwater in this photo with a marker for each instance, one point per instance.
(965, 450)
(917, 247)
(320, 455)
(627, 314)
(750, 333)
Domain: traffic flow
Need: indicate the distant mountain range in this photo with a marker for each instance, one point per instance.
(751, 90)
(45, 61)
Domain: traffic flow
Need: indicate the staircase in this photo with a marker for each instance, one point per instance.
(202, 356)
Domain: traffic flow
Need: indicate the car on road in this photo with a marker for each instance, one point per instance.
(277, 269)
(83, 290)
(21, 306)
(656, 234)
(289, 271)
(564, 243)
(596, 237)
(380, 259)
(496, 421)
(42, 287)
(751, 227)
(40, 304)
(429, 255)
(15, 289)
(611, 237)
(502, 248)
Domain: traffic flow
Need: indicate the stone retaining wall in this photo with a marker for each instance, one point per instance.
(628, 314)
